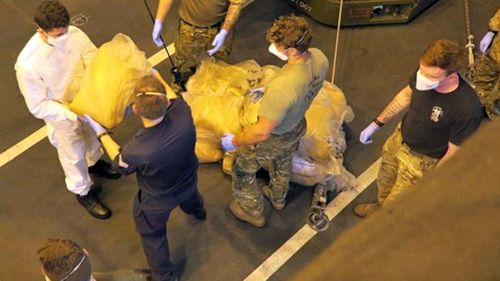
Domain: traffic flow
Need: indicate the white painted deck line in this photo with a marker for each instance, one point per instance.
(301, 237)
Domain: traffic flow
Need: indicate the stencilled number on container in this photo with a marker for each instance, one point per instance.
(301, 4)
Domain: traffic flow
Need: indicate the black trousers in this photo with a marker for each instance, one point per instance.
(152, 228)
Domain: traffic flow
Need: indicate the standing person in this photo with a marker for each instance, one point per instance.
(162, 156)
(65, 260)
(203, 26)
(49, 70)
(487, 79)
(273, 140)
(443, 111)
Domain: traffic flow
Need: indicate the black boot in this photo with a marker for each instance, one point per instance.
(94, 206)
(103, 169)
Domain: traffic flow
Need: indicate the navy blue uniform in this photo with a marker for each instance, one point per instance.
(166, 166)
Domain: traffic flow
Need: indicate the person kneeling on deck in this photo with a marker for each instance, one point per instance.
(273, 140)
(162, 156)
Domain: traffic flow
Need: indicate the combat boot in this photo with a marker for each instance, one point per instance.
(365, 210)
(257, 220)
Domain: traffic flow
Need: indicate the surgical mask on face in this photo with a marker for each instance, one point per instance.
(424, 83)
(58, 42)
(273, 50)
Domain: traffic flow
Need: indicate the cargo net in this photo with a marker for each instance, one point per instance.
(218, 95)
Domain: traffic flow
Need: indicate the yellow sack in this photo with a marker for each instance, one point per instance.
(217, 78)
(216, 94)
(108, 84)
(207, 147)
(324, 138)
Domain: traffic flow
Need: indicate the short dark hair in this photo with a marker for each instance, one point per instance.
(50, 15)
(150, 106)
(445, 54)
(290, 32)
(60, 258)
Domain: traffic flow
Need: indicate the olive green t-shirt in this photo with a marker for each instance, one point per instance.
(204, 13)
(291, 91)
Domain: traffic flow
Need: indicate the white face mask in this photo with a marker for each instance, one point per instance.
(273, 50)
(58, 42)
(424, 83)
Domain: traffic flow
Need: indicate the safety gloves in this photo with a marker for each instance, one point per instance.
(227, 142)
(218, 42)
(157, 33)
(98, 129)
(366, 135)
(486, 41)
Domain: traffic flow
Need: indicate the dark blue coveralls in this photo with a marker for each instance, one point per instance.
(166, 167)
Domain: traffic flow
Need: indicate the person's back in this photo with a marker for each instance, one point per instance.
(294, 87)
(164, 154)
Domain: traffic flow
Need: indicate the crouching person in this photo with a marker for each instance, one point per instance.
(162, 156)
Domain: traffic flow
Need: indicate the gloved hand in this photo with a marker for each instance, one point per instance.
(366, 135)
(256, 93)
(486, 41)
(98, 129)
(218, 42)
(227, 142)
(157, 33)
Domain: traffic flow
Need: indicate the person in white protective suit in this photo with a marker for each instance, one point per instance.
(48, 71)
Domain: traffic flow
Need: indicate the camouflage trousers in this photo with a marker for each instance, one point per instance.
(191, 44)
(275, 154)
(487, 81)
(400, 168)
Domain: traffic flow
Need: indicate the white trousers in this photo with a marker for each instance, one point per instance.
(78, 148)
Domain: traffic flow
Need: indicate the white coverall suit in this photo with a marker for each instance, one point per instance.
(49, 77)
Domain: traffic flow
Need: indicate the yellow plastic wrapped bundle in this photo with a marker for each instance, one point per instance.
(216, 94)
(218, 78)
(213, 115)
(207, 146)
(251, 109)
(107, 87)
(324, 120)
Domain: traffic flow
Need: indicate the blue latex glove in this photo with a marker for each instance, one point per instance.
(157, 33)
(227, 142)
(486, 41)
(366, 135)
(218, 42)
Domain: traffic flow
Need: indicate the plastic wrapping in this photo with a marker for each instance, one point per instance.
(218, 96)
(108, 84)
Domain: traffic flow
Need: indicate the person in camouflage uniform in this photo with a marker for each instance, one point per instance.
(204, 26)
(487, 79)
(273, 140)
(442, 111)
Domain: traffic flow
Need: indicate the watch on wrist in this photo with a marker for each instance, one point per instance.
(377, 122)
